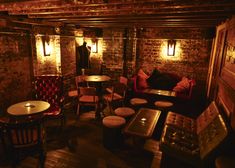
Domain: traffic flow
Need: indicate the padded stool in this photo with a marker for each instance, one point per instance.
(138, 101)
(125, 112)
(112, 127)
(163, 105)
(225, 162)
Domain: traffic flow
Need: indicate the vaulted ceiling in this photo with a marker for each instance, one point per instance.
(22, 14)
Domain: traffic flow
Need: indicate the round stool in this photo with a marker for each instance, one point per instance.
(112, 127)
(163, 104)
(138, 101)
(125, 112)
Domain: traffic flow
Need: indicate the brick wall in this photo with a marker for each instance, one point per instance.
(15, 69)
(44, 65)
(113, 52)
(192, 53)
(68, 62)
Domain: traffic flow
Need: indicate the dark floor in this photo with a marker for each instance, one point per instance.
(80, 145)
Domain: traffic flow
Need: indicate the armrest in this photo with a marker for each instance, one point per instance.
(134, 79)
(187, 94)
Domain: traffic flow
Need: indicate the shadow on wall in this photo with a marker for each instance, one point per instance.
(95, 66)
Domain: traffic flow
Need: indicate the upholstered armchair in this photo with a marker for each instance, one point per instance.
(50, 88)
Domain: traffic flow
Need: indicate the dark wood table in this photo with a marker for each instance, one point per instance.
(160, 92)
(98, 80)
(143, 123)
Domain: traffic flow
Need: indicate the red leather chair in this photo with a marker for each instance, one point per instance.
(50, 88)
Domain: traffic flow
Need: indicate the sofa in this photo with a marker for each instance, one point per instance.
(157, 80)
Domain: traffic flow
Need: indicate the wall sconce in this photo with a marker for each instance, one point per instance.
(171, 47)
(46, 45)
(94, 46)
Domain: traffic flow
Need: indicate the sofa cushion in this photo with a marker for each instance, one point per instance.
(141, 80)
(163, 81)
(183, 85)
(142, 74)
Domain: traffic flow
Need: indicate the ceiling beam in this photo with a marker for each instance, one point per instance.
(132, 8)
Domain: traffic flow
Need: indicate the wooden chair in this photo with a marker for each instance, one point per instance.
(50, 88)
(25, 138)
(87, 96)
(117, 94)
(79, 81)
(122, 79)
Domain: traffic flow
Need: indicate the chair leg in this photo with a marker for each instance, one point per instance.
(78, 109)
(42, 158)
(62, 124)
(110, 107)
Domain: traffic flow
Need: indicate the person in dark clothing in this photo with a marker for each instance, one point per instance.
(83, 60)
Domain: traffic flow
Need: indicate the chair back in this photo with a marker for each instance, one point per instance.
(49, 88)
(25, 133)
(119, 90)
(89, 91)
(79, 81)
(26, 137)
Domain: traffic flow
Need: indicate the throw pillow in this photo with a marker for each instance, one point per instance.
(165, 82)
(152, 80)
(182, 85)
(142, 73)
(141, 80)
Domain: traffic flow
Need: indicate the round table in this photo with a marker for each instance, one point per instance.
(96, 78)
(28, 108)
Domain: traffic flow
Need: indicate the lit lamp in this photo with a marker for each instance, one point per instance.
(94, 46)
(46, 46)
(171, 47)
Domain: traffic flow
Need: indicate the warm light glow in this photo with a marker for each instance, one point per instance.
(27, 105)
(52, 62)
(178, 51)
(171, 47)
(47, 48)
(94, 47)
(143, 119)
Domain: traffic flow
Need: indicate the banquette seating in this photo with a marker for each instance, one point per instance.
(183, 86)
(50, 88)
(194, 141)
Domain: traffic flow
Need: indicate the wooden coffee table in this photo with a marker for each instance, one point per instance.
(143, 123)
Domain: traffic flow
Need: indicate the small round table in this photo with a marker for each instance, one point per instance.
(96, 78)
(30, 107)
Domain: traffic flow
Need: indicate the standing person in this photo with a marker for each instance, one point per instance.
(83, 58)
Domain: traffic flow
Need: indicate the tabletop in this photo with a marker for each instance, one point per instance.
(160, 92)
(97, 78)
(28, 108)
(143, 123)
